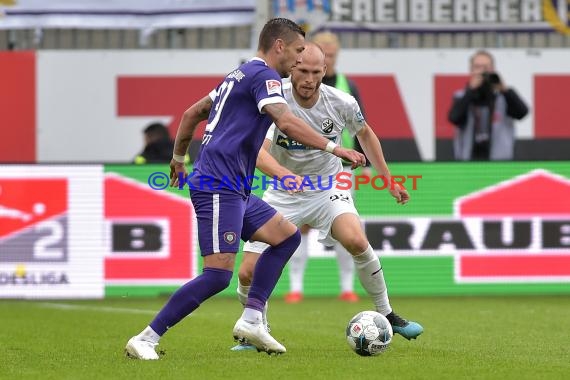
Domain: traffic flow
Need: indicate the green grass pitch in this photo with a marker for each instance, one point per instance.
(465, 338)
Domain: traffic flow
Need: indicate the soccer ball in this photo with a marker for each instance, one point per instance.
(369, 333)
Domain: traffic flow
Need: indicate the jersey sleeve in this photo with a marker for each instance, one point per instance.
(267, 88)
(213, 94)
(354, 117)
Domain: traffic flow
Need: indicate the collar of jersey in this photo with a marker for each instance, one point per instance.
(258, 59)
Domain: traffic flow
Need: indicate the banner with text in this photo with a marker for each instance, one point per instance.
(428, 15)
(470, 228)
(124, 14)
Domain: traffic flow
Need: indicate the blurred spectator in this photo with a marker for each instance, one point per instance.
(484, 112)
(158, 145)
(330, 45)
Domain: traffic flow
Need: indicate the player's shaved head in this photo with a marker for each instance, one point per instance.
(307, 76)
(313, 54)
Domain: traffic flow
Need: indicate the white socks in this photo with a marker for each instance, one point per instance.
(372, 279)
(345, 268)
(250, 316)
(242, 292)
(297, 264)
(149, 335)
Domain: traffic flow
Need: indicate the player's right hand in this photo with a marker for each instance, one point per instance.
(350, 155)
(293, 184)
(175, 168)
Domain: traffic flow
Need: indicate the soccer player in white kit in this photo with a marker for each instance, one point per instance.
(319, 203)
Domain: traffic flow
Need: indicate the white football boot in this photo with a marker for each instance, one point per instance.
(141, 349)
(257, 335)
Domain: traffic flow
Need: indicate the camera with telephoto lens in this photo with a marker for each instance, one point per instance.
(484, 93)
(491, 78)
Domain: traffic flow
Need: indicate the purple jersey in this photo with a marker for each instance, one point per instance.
(236, 129)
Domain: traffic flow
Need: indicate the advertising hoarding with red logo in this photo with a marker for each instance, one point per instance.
(470, 228)
(51, 237)
(532, 243)
(150, 234)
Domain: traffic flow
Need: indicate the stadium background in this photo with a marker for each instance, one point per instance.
(76, 92)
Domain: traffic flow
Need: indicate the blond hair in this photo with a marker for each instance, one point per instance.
(482, 52)
(324, 38)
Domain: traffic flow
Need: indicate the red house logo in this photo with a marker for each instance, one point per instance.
(150, 234)
(536, 210)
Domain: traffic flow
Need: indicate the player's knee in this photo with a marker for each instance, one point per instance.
(293, 243)
(288, 246)
(245, 274)
(295, 239)
(219, 279)
(355, 245)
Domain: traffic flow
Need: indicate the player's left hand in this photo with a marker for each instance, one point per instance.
(400, 194)
(175, 168)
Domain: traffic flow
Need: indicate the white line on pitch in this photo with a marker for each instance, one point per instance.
(105, 309)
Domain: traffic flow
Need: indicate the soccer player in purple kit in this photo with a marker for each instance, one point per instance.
(239, 112)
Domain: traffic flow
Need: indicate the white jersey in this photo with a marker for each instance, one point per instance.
(334, 111)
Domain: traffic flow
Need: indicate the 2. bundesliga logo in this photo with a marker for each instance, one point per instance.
(33, 229)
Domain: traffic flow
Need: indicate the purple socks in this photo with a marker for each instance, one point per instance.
(268, 270)
(187, 299)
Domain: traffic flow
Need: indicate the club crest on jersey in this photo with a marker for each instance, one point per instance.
(273, 87)
(230, 237)
(327, 126)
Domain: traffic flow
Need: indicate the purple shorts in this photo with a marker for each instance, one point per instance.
(224, 218)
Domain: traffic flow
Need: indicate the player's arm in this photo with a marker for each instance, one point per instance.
(268, 164)
(297, 129)
(373, 150)
(272, 168)
(198, 112)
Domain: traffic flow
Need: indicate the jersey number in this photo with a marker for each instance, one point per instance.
(221, 96)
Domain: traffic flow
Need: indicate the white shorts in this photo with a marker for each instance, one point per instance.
(318, 209)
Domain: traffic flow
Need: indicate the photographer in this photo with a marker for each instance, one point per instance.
(483, 113)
